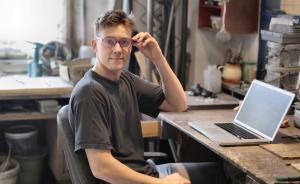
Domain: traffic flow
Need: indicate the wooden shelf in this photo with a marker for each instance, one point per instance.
(241, 16)
(210, 6)
(21, 116)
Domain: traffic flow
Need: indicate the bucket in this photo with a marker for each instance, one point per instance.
(32, 167)
(10, 174)
(22, 138)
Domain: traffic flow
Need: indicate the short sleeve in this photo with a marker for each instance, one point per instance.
(150, 96)
(91, 125)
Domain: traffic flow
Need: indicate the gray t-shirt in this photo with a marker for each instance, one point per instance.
(105, 115)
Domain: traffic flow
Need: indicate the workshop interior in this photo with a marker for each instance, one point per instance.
(238, 62)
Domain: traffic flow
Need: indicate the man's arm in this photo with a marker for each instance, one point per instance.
(173, 91)
(105, 167)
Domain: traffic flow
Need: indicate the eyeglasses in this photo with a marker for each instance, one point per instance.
(110, 42)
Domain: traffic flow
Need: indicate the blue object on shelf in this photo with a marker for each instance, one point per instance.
(34, 67)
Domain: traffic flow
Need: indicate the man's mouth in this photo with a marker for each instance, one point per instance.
(117, 58)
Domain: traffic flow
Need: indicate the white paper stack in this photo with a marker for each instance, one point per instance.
(47, 106)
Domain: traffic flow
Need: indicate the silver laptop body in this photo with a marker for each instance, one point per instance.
(261, 113)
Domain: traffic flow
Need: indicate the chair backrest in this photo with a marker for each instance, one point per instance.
(77, 163)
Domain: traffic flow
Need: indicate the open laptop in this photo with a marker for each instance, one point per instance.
(257, 121)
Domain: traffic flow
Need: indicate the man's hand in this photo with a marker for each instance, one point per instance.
(174, 179)
(148, 46)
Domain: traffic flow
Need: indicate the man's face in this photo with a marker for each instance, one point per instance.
(111, 54)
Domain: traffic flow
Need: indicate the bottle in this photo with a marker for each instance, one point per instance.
(212, 79)
(34, 67)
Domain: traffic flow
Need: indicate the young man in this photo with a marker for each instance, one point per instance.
(105, 105)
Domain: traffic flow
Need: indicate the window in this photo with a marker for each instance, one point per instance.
(31, 20)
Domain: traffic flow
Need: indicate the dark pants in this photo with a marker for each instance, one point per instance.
(197, 173)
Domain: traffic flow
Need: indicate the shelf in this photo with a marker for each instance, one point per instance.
(21, 116)
(241, 16)
(209, 29)
(234, 90)
(210, 6)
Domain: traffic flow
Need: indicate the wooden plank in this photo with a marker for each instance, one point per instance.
(24, 85)
(290, 6)
(150, 128)
(222, 101)
(284, 151)
(296, 166)
(26, 116)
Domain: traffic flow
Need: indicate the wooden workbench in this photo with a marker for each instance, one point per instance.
(22, 87)
(256, 162)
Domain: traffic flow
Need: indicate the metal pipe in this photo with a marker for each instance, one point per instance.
(126, 6)
(183, 55)
(169, 30)
(149, 30)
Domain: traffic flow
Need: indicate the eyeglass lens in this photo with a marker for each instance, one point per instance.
(111, 42)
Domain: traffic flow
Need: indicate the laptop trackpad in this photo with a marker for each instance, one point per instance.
(213, 131)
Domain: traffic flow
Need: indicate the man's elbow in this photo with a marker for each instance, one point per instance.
(100, 171)
(181, 108)
(97, 173)
(184, 108)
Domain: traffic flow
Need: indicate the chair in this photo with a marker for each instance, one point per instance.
(77, 163)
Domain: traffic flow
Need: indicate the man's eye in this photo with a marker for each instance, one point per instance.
(110, 42)
(124, 42)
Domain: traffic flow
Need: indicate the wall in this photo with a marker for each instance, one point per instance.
(291, 6)
(205, 49)
(93, 9)
(202, 46)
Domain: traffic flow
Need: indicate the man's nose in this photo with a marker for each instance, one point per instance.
(117, 47)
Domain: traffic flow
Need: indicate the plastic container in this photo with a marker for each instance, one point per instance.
(216, 22)
(212, 79)
(32, 167)
(10, 174)
(22, 138)
(249, 71)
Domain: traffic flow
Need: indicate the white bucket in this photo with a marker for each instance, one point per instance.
(10, 174)
(22, 138)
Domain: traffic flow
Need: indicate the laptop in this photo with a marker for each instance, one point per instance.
(257, 121)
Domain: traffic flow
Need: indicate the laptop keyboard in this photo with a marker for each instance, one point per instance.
(236, 131)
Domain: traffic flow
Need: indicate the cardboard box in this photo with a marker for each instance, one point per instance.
(72, 71)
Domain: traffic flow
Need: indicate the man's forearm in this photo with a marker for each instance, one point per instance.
(172, 88)
(111, 170)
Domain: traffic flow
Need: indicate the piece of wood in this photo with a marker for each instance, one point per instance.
(150, 128)
(296, 166)
(222, 101)
(20, 116)
(284, 151)
(24, 85)
(290, 6)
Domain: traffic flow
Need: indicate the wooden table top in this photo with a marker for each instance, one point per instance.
(255, 161)
(222, 101)
(21, 86)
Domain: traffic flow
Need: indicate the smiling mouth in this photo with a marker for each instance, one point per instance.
(117, 58)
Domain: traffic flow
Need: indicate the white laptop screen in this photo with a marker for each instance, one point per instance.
(263, 108)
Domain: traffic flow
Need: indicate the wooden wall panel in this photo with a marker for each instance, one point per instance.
(290, 6)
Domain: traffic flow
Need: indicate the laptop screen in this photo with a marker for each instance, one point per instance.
(263, 108)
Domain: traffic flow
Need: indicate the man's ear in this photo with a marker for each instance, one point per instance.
(94, 45)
